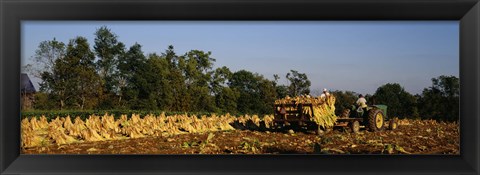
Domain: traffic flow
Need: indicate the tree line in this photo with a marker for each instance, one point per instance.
(112, 76)
(440, 101)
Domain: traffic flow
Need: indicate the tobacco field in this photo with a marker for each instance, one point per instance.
(226, 134)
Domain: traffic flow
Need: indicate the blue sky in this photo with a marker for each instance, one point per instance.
(358, 56)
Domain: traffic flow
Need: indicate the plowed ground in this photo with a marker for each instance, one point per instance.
(411, 137)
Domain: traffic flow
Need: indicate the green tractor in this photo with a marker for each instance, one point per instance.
(372, 117)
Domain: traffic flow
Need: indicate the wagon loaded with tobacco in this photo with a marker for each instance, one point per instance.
(318, 113)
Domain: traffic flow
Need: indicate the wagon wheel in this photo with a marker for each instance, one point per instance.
(328, 129)
(375, 120)
(355, 126)
(277, 126)
(392, 125)
(318, 130)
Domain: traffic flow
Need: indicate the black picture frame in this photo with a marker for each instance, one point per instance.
(14, 11)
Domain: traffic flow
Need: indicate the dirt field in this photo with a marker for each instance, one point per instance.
(411, 137)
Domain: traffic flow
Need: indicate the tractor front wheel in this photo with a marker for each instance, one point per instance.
(392, 125)
(375, 120)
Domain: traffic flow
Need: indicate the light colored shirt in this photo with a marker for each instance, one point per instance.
(325, 94)
(362, 102)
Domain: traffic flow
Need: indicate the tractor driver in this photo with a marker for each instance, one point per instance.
(362, 104)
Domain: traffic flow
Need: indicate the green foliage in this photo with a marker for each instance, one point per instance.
(132, 67)
(268, 95)
(226, 100)
(219, 79)
(256, 94)
(43, 102)
(197, 70)
(281, 90)
(441, 100)
(250, 145)
(299, 83)
(400, 103)
(73, 82)
(155, 76)
(344, 100)
(44, 59)
(181, 98)
(108, 50)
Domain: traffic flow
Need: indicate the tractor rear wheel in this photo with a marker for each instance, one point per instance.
(375, 120)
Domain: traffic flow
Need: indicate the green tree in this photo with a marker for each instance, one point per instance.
(181, 98)
(441, 100)
(400, 103)
(44, 61)
(281, 90)
(158, 77)
(73, 80)
(204, 61)
(268, 95)
(43, 101)
(197, 70)
(108, 49)
(132, 66)
(219, 79)
(245, 83)
(225, 97)
(151, 86)
(87, 83)
(47, 53)
(226, 100)
(299, 83)
(257, 94)
(344, 100)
